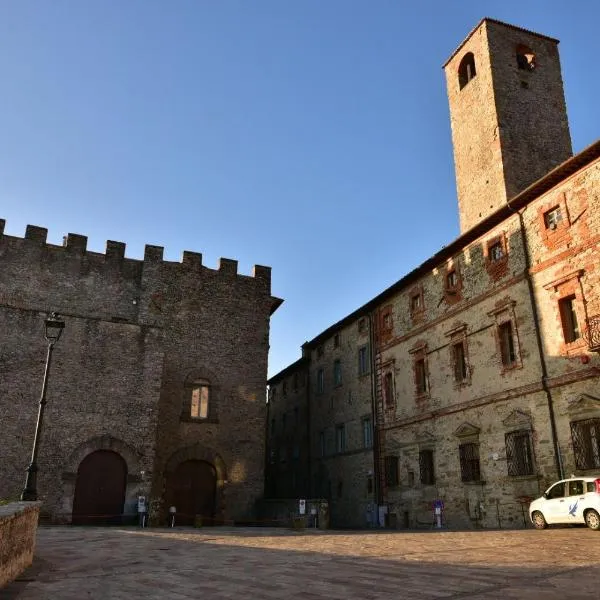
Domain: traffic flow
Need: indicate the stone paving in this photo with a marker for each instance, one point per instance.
(225, 563)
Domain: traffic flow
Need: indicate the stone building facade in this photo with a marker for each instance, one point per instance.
(484, 361)
(156, 387)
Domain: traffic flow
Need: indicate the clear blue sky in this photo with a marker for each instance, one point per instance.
(308, 135)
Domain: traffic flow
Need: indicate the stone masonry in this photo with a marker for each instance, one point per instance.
(483, 362)
(138, 336)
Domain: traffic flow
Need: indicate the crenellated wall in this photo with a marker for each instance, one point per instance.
(137, 333)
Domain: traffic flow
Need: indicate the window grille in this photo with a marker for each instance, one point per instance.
(519, 455)
(469, 462)
(426, 467)
(586, 443)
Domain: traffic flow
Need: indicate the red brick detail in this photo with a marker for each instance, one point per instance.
(416, 304)
(496, 268)
(561, 234)
(453, 293)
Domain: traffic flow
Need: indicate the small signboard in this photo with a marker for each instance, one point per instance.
(302, 507)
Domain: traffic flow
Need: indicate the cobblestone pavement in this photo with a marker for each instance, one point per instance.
(224, 563)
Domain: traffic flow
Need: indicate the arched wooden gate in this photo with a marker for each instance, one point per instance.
(191, 488)
(100, 489)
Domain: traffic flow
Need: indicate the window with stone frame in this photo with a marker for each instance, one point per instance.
(426, 466)
(496, 256)
(459, 362)
(585, 435)
(363, 360)
(506, 334)
(336, 340)
(388, 389)
(391, 470)
(568, 318)
(320, 381)
(337, 372)
(470, 469)
(519, 453)
(507, 344)
(420, 368)
(362, 325)
(200, 398)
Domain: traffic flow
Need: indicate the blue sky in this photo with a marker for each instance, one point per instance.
(310, 135)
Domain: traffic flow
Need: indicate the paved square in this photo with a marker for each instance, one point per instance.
(224, 563)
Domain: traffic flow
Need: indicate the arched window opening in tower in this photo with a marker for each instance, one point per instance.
(466, 69)
(525, 58)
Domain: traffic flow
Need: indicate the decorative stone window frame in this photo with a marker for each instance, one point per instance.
(214, 397)
(458, 335)
(504, 312)
(418, 353)
(337, 340)
(561, 234)
(337, 373)
(452, 293)
(569, 284)
(362, 326)
(416, 314)
(469, 434)
(496, 268)
(520, 421)
(387, 370)
(386, 323)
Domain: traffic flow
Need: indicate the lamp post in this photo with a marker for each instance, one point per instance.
(54, 327)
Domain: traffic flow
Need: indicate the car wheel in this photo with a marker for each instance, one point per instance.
(592, 519)
(538, 520)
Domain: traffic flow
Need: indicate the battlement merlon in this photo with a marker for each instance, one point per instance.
(76, 245)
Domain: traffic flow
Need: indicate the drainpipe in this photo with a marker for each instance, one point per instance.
(377, 488)
(538, 337)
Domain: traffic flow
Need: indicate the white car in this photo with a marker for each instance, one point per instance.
(574, 500)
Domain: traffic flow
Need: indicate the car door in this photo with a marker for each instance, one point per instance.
(575, 500)
(554, 508)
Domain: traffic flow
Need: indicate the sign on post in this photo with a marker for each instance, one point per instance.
(302, 507)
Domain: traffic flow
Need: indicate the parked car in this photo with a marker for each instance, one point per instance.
(574, 500)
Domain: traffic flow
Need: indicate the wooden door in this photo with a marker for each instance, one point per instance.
(100, 489)
(191, 488)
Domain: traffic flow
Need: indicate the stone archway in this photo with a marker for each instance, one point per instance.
(131, 457)
(191, 487)
(100, 487)
(190, 469)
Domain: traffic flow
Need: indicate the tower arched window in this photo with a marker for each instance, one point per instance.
(200, 399)
(525, 58)
(466, 69)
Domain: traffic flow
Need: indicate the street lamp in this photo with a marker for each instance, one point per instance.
(54, 327)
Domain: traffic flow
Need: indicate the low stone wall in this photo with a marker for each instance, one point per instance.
(18, 525)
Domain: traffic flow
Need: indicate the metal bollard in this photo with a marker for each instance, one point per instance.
(172, 511)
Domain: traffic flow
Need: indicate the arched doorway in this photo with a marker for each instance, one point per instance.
(100, 489)
(191, 488)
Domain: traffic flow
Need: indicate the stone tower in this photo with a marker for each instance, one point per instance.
(508, 115)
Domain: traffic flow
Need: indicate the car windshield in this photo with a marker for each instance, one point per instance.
(556, 491)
